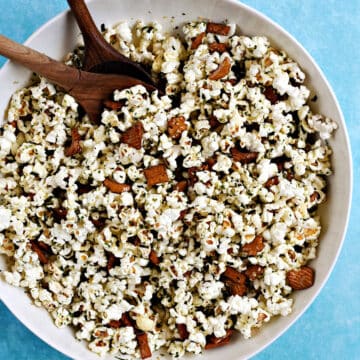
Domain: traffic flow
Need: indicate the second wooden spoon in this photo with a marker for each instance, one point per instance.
(89, 89)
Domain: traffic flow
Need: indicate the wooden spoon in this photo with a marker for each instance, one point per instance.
(89, 89)
(100, 56)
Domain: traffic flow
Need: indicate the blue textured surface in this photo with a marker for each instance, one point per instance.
(330, 31)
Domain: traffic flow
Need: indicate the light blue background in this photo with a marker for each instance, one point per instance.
(330, 31)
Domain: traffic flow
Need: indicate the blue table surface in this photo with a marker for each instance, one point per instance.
(330, 31)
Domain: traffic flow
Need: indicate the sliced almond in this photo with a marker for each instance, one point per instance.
(215, 28)
(222, 70)
(197, 41)
(116, 187)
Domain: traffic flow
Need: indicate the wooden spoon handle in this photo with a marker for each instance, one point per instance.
(97, 50)
(55, 71)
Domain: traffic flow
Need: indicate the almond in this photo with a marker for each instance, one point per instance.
(116, 187)
(115, 324)
(75, 146)
(219, 47)
(144, 348)
(254, 272)
(236, 288)
(37, 249)
(181, 186)
(301, 278)
(183, 333)
(234, 275)
(244, 157)
(314, 196)
(156, 175)
(111, 261)
(271, 95)
(214, 122)
(213, 341)
(222, 70)
(154, 259)
(59, 213)
(197, 41)
(272, 181)
(176, 126)
(215, 28)
(133, 136)
(254, 247)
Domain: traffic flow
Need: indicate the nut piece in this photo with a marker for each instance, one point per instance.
(213, 341)
(214, 122)
(75, 146)
(111, 261)
(257, 245)
(133, 136)
(271, 95)
(176, 126)
(59, 213)
(219, 47)
(244, 157)
(184, 334)
(181, 186)
(154, 259)
(236, 288)
(115, 324)
(40, 253)
(272, 181)
(234, 275)
(254, 272)
(220, 29)
(222, 70)
(197, 41)
(145, 351)
(156, 175)
(115, 187)
(301, 278)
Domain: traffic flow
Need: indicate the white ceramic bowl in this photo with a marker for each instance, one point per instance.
(59, 36)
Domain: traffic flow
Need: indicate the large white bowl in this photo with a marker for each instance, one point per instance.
(59, 36)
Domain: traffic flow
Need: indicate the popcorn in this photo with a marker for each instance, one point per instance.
(168, 193)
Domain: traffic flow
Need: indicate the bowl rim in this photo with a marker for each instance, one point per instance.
(48, 339)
